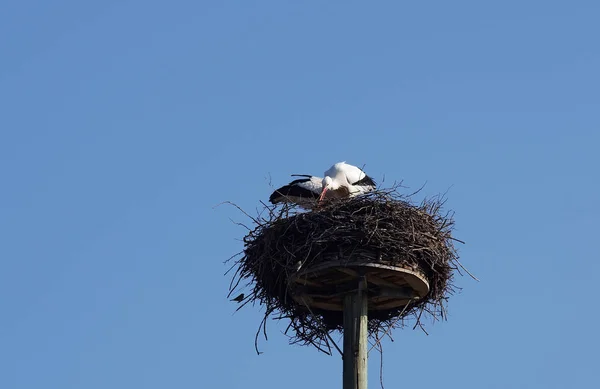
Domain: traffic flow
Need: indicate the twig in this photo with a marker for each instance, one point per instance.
(465, 269)
(379, 338)
(326, 333)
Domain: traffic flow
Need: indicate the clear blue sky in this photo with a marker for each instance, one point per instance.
(124, 122)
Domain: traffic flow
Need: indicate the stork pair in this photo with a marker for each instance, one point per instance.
(340, 181)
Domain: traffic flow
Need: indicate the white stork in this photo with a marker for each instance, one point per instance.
(341, 180)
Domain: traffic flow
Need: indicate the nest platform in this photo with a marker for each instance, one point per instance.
(324, 286)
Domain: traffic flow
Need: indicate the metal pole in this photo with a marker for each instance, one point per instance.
(355, 338)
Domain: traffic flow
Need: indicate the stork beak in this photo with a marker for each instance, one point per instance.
(322, 194)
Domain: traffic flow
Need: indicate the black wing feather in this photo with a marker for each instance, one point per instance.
(293, 190)
(365, 181)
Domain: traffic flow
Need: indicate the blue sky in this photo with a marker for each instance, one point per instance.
(123, 123)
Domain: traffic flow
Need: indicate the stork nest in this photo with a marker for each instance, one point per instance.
(383, 222)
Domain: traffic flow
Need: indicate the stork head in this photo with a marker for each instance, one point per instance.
(328, 184)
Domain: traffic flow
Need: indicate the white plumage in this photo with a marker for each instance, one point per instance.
(341, 180)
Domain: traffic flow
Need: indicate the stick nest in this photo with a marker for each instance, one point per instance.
(383, 222)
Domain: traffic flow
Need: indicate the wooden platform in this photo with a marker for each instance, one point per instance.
(325, 285)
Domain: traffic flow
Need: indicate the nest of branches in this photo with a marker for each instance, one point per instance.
(380, 224)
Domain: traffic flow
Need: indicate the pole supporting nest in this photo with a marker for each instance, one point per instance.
(355, 337)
